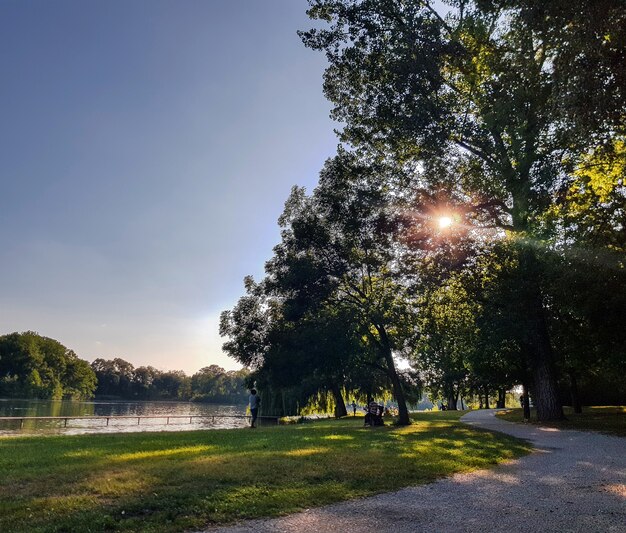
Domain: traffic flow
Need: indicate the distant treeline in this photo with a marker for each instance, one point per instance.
(120, 379)
(33, 366)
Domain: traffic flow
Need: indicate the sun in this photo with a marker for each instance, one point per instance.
(445, 222)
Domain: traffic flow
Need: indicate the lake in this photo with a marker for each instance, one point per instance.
(27, 408)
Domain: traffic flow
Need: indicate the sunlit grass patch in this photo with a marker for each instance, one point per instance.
(339, 437)
(171, 452)
(304, 451)
(180, 481)
(610, 420)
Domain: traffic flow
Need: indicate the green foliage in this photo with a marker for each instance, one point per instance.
(484, 116)
(332, 303)
(494, 103)
(118, 378)
(448, 339)
(32, 366)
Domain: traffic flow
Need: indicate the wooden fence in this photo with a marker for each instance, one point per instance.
(106, 420)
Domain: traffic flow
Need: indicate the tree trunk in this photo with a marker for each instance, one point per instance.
(340, 405)
(545, 387)
(398, 391)
(538, 339)
(525, 402)
(487, 398)
(282, 394)
(451, 399)
(578, 408)
(501, 399)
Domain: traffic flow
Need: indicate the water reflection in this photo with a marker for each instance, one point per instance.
(211, 416)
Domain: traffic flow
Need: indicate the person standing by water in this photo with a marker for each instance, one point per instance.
(254, 402)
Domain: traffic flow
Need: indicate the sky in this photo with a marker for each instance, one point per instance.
(147, 148)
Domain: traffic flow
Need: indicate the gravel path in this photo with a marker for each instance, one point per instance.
(573, 482)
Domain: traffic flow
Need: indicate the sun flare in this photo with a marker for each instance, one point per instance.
(445, 222)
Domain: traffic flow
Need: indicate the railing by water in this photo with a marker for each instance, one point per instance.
(106, 419)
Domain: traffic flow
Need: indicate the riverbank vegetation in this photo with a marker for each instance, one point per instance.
(181, 481)
(121, 380)
(37, 367)
(610, 420)
(33, 366)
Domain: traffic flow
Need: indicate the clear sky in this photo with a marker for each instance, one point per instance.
(146, 151)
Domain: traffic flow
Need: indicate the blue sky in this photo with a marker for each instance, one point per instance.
(146, 151)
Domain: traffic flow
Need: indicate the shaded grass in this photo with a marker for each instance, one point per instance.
(610, 420)
(176, 481)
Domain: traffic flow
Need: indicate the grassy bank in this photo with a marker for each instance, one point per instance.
(610, 420)
(180, 481)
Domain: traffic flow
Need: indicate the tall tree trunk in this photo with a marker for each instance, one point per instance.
(451, 398)
(525, 401)
(398, 391)
(486, 398)
(578, 408)
(340, 405)
(538, 339)
(501, 399)
(546, 395)
(282, 394)
(451, 404)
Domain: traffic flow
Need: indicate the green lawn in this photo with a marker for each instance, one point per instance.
(611, 420)
(180, 481)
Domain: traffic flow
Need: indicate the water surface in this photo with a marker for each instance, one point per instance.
(215, 416)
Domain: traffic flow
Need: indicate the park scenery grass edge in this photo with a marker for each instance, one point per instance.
(167, 482)
(610, 420)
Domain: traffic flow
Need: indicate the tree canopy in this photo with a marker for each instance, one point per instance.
(32, 366)
(504, 121)
(119, 379)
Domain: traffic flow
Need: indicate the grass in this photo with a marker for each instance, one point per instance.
(610, 420)
(170, 482)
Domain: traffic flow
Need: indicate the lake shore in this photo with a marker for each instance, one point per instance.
(89, 417)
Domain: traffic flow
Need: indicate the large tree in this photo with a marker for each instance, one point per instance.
(33, 366)
(344, 234)
(491, 90)
(334, 299)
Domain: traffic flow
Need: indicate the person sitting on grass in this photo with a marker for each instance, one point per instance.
(373, 417)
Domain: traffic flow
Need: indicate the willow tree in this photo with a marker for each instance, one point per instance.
(338, 255)
(492, 89)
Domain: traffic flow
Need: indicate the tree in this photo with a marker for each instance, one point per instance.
(143, 382)
(490, 89)
(337, 253)
(115, 377)
(587, 228)
(448, 337)
(333, 302)
(213, 384)
(79, 380)
(33, 366)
